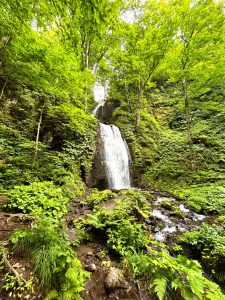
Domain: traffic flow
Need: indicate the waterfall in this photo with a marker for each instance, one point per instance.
(98, 112)
(113, 156)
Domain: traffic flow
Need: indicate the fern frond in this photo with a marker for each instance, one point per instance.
(160, 287)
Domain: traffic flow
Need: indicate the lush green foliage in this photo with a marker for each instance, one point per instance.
(55, 263)
(128, 203)
(39, 199)
(126, 235)
(165, 64)
(168, 76)
(122, 232)
(207, 198)
(208, 244)
(171, 276)
(16, 164)
(96, 197)
(119, 224)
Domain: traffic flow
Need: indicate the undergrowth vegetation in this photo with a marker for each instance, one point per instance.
(206, 198)
(38, 199)
(173, 277)
(125, 235)
(208, 245)
(59, 271)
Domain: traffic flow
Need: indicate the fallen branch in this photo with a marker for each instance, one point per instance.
(9, 267)
(3, 88)
(20, 216)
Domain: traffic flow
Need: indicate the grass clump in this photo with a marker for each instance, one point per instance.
(59, 271)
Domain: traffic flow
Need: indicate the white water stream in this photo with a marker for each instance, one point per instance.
(115, 154)
(171, 224)
(116, 157)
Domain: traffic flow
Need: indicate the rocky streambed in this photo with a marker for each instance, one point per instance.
(171, 217)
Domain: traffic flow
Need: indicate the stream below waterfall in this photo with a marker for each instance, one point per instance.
(169, 216)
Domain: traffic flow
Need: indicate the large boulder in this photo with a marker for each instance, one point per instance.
(115, 279)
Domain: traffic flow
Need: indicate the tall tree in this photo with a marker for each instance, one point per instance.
(197, 56)
(144, 44)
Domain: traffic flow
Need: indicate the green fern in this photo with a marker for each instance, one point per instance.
(169, 276)
(160, 287)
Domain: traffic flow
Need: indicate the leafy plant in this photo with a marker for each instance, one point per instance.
(120, 225)
(96, 197)
(166, 203)
(207, 244)
(173, 276)
(56, 265)
(16, 288)
(128, 203)
(38, 198)
(124, 236)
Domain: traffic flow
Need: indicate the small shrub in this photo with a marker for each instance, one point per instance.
(127, 236)
(166, 203)
(209, 244)
(135, 203)
(96, 197)
(173, 277)
(55, 263)
(38, 198)
(122, 231)
(221, 220)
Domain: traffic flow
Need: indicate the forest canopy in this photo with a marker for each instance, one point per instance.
(64, 231)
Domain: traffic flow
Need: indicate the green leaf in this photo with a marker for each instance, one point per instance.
(160, 287)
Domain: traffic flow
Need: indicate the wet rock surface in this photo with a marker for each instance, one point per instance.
(90, 267)
(171, 217)
(108, 281)
(115, 279)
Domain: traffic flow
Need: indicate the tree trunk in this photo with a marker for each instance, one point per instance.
(86, 64)
(128, 96)
(3, 88)
(138, 109)
(37, 137)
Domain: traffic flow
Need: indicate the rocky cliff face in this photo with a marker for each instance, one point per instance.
(98, 176)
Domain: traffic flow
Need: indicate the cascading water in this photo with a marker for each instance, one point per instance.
(98, 112)
(116, 157)
(114, 154)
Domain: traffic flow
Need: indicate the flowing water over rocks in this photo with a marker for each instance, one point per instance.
(170, 217)
(99, 111)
